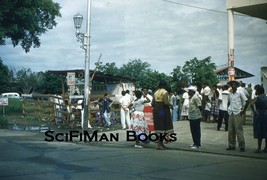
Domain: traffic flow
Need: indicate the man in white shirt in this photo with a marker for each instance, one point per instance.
(223, 105)
(194, 116)
(238, 104)
(127, 94)
(124, 111)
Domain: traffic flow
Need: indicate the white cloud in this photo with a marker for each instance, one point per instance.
(163, 34)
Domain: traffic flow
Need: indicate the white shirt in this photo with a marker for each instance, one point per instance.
(194, 111)
(243, 90)
(237, 101)
(150, 98)
(124, 101)
(224, 100)
(129, 96)
(186, 98)
(138, 104)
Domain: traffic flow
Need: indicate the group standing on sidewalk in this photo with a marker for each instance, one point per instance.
(148, 113)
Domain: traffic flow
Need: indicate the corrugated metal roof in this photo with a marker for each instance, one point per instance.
(99, 76)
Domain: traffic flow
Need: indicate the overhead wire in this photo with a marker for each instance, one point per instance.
(197, 7)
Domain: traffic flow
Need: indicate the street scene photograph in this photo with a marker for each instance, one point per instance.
(133, 89)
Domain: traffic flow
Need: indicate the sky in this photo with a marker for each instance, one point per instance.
(159, 32)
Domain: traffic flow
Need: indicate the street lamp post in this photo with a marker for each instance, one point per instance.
(85, 39)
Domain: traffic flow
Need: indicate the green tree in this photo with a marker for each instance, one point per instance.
(4, 77)
(109, 68)
(153, 79)
(136, 69)
(140, 71)
(200, 71)
(179, 79)
(26, 80)
(25, 21)
(50, 83)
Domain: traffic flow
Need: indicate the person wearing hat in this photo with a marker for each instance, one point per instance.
(194, 116)
(238, 104)
(206, 93)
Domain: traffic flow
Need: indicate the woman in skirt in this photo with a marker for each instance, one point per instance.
(161, 113)
(138, 123)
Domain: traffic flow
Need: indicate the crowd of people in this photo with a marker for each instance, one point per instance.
(145, 112)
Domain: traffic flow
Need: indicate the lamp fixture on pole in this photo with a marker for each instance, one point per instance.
(84, 38)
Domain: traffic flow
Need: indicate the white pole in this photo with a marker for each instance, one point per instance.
(87, 67)
(231, 69)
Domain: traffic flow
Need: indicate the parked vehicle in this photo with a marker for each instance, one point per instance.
(11, 95)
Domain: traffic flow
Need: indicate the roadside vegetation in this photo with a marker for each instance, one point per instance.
(12, 114)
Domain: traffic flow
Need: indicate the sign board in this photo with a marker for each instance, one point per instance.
(71, 79)
(3, 101)
(114, 89)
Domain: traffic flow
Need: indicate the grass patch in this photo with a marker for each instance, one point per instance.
(19, 119)
(14, 107)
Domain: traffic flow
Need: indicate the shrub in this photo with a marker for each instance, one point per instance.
(3, 121)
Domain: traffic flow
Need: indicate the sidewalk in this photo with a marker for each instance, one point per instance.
(212, 141)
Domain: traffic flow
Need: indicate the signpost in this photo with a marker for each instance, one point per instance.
(71, 82)
(3, 102)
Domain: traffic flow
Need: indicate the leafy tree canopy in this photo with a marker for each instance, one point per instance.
(5, 77)
(179, 79)
(109, 68)
(50, 83)
(194, 71)
(25, 21)
(139, 70)
(136, 69)
(199, 71)
(26, 80)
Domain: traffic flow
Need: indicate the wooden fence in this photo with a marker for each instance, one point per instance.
(38, 105)
(55, 109)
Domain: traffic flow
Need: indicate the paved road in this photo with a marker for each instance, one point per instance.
(25, 155)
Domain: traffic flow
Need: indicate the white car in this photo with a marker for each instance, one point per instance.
(11, 95)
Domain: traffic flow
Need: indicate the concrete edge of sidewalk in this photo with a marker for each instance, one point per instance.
(211, 147)
(216, 149)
